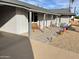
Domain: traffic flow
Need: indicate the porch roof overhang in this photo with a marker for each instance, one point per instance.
(62, 11)
(26, 6)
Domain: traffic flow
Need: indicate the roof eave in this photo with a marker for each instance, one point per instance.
(21, 5)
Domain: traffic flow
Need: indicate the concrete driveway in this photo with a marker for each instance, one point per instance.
(14, 46)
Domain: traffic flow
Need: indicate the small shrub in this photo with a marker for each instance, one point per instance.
(77, 17)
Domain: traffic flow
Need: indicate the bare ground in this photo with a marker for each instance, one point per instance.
(61, 47)
(69, 41)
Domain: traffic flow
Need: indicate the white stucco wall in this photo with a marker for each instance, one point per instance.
(18, 24)
(40, 17)
(48, 23)
(22, 21)
(65, 19)
(48, 18)
(41, 24)
(22, 24)
(10, 26)
(55, 21)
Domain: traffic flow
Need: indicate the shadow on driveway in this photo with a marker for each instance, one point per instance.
(14, 46)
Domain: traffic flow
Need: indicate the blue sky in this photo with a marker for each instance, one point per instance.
(53, 4)
(49, 4)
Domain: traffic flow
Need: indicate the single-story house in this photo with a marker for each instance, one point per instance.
(65, 14)
(17, 17)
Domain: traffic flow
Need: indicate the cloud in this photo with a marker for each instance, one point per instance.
(50, 4)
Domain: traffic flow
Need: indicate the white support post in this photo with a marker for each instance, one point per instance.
(44, 19)
(51, 19)
(46, 22)
(39, 24)
(59, 20)
(30, 24)
(56, 22)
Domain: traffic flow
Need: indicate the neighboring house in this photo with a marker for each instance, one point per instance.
(17, 17)
(65, 15)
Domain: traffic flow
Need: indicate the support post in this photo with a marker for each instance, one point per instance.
(30, 24)
(59, 20)
(56, 21)
(39, 24)
(44, 19)
(51, 19)
(46, 22)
